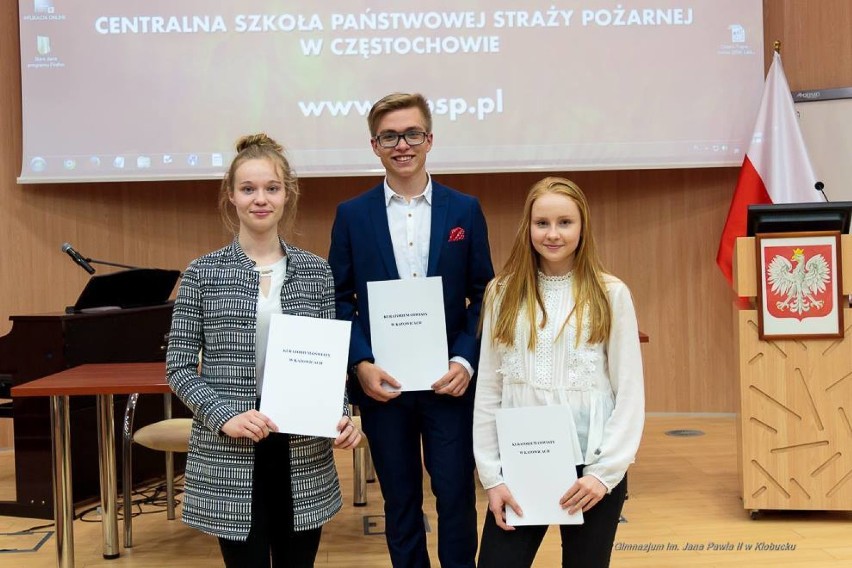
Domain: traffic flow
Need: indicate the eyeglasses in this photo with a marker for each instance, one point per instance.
(391, 139)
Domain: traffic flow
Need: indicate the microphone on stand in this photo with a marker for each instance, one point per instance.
(819, 186)
(78, 258)
(87, 262)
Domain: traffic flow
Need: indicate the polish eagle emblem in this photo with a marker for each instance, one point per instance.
(797, 284)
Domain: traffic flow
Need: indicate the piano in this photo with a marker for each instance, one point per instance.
(39, 345)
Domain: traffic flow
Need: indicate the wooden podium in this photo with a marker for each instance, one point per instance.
(794, 427)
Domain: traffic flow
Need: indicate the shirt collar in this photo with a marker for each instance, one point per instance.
(427, 192)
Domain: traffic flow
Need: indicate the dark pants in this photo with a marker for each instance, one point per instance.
(272, 516)
(583, 546)
(444, 425)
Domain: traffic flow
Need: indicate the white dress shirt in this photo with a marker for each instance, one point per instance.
(410, 224)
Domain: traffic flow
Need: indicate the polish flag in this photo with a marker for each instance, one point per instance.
(776, 168)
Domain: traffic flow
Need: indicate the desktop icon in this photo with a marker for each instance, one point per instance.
(43, 45)
(167, 159)
(192, 160)
(143, 162)
(118, 162)
(94, 161)
(69, 163)
(216, 160)
(38, 164)
(43, 6)
(737, 33)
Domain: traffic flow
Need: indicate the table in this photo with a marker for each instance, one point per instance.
(103, 380)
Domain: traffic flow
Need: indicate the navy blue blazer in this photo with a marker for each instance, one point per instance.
(362, 251)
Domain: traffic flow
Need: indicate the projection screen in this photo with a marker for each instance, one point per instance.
(161, 89)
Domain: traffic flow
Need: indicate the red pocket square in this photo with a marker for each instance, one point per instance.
(456, 234)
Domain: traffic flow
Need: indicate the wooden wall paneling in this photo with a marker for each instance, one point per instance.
(11, 278)
(657, 229)
(816, 46)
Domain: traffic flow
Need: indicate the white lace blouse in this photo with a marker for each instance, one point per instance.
(601, 383)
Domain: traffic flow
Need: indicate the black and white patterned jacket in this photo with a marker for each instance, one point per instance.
(215, 313)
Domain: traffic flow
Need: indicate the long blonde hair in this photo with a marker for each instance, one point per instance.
(516, 286)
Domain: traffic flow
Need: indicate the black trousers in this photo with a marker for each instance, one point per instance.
(444, 426)
(583, 546)
(272, 534)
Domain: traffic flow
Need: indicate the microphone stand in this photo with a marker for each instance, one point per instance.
(117, 264)
(105, 263)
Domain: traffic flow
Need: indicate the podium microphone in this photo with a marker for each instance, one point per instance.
(78, 258)
(819, 186)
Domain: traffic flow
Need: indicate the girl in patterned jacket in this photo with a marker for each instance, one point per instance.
(263, 494)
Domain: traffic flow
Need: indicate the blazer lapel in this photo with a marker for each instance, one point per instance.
(439, 232)
(379, 219)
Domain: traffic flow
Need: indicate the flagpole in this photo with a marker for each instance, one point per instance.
(777, 47)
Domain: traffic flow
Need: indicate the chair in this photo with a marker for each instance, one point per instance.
(168, 435)
(6, 396)
(6, 410)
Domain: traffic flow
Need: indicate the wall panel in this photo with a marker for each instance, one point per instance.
(657, 229)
